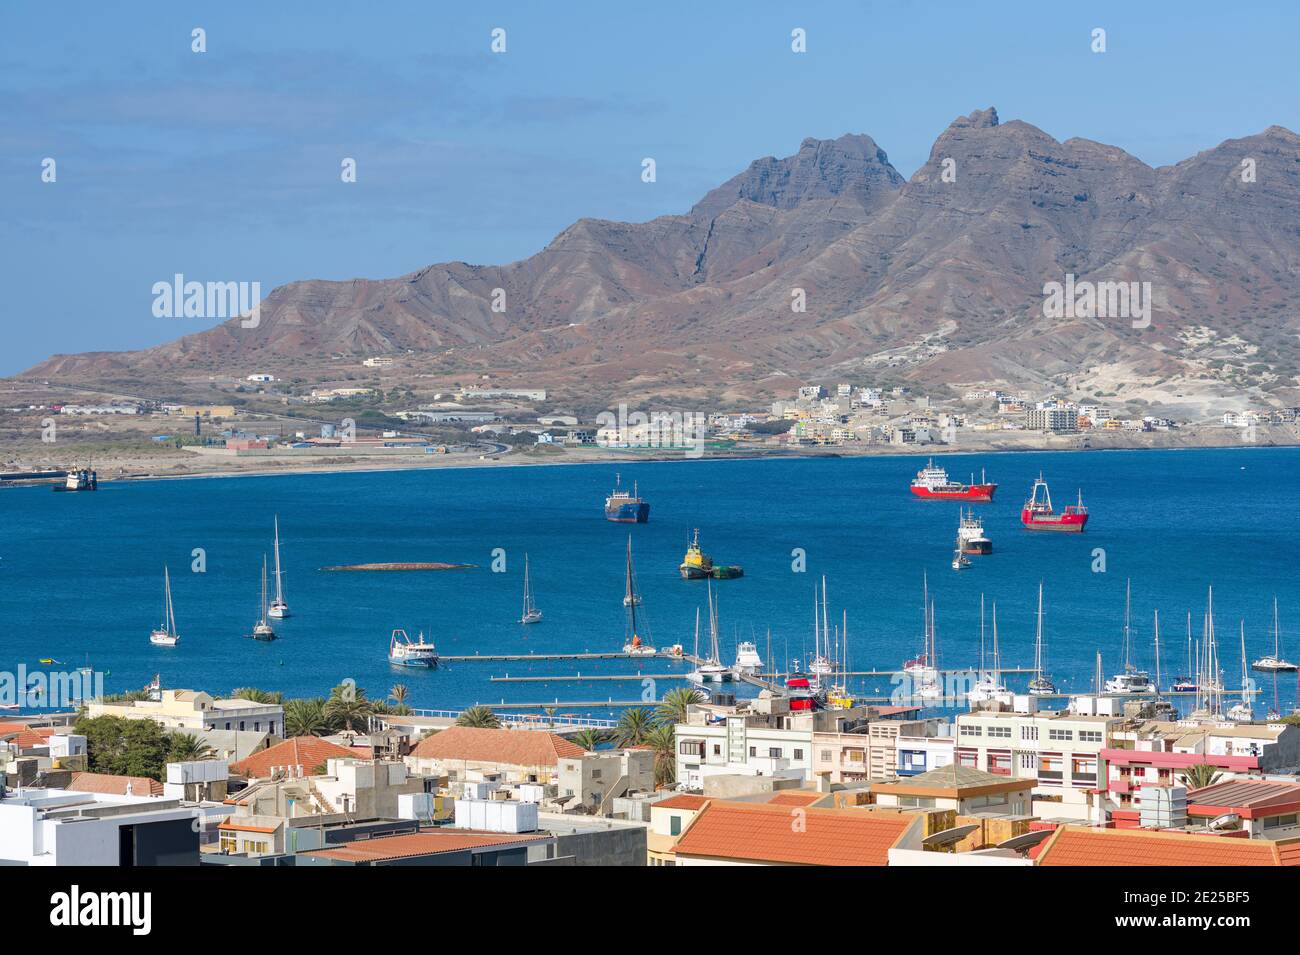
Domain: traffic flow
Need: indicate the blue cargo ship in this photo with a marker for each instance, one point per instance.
(624, 508)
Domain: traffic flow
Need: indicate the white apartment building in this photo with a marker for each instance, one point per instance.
(193, 709)
(49, 827)
(1060, 750)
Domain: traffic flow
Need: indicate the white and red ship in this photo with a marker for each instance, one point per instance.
(1038, 515)
(932, 483)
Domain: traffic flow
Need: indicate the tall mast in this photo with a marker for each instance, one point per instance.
(982, 635)
(1128, 591)
(1097, 676)
(697, 636)
(997, 654)
(279, 591)
(826, 630)
(1245, 697)
(1157, 637)
(1277, 652)
(1038, 637)
(262, 607)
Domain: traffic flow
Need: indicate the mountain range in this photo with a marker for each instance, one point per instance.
(936, 281)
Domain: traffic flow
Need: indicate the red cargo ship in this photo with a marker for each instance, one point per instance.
(932, 483)
(1038, 515)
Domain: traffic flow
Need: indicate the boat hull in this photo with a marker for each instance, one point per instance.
(974, 493)
(978, 546)
(694, 572)
(416, 664)
(1065, 523)
(627, 512)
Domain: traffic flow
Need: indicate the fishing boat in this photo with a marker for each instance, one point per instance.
(970, 532)
(696, 565)
(1273, 662)
(405, 652)
(1243, 711)
(80, 480)
(710, 669)
(166, 635)
(803, 695)
(634, 647)
(630, 595)
(1040, 685)
(1131, 679)
(262, 630)
(989, 686)
(530, 613)
(1038, 515)
(933, 484)
(624, 508)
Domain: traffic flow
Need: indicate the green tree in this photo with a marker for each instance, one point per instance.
(348, 707)
(397, 696)
(633, 725)
(663, 740)
(589, 739)
(255, 695)
(306, 718)
(480, 717)
(1200, 775)
(186, 747)
(672, 708)
(124, 747)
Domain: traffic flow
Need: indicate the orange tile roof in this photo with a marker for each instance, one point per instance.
(116, 785)
(421, 844)
(305, 752)
(795, 798)
(1078, 846)
(684, 801)
(762, 832)
(508, 747)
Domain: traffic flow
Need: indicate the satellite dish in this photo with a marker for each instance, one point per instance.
(1026, 840)
(1229, 820)
(947, 837)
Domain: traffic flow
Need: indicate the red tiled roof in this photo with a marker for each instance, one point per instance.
(22, 735)
(795, 798)
(761, 832)
(421, 844)
(508, 747)
(684, 801)
(305, 752)
(1077, 846)
(116, 785)
(1251, 798)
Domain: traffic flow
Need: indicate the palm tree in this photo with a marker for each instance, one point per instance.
(672, 708)
(348, 705)
(255, 695)
(397, 696)
(1200, 775)
(589, 739)
(186, 747)
(479, 717)
(663, 740)
(633, 726)
(306, 718)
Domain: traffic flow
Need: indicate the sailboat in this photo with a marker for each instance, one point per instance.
(1242, 712)
(1273, 662)
(1131, 680)
(989, 686)
(166, 635)
(1040, 685)
(633, 647)
(1184, 684)
(630, 596)
(710, 669)
(262, 630)
(278, 609)
(959, 560)
(922, 670)
(531, 614)
(822, 665)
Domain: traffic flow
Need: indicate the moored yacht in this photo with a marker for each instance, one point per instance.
(278, 608)
(1274, 662)
(262, 630)
(166, 635)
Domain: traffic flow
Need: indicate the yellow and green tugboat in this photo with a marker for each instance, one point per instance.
(696, 565)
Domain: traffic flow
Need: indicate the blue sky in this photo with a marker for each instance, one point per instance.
(225, 165)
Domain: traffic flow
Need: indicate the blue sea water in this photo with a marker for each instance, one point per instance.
(81, 574)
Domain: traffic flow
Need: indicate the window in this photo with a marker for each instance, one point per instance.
(229, 842)
(1060, 735)
(753, 751)
(1029, 732)
(1000, 764)
(1049, 763)
(774, 752)
(798, 754)
(968, 730)
(916, 802)
(826, 756)
(1089, 736)
(1028, 761)
(595, 774)
(1279, 822)
(967, 758)
(675, 825)
(688, 747)
(1083, 766)
(1001, 732)
(717, 749)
